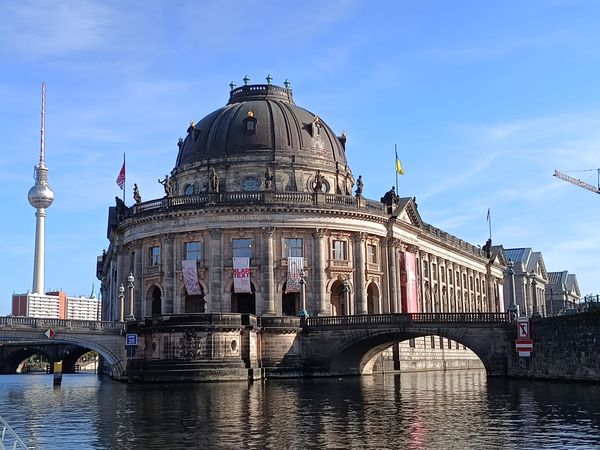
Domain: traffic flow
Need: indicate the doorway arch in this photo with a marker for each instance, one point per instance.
(243, 302)
(372, 299)
(290, 302)
(194, 304)
(155, 300)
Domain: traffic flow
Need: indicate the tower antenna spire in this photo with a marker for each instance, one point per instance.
(43, 129)
(40, 197)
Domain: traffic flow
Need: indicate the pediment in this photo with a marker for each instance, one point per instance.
(406, 212)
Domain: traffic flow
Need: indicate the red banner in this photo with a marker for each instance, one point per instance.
(410, 264)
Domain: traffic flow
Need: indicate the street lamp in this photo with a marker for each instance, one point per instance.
(513, 308)
(346, 292)
(121, 301)
(130, 280)
(303, 312)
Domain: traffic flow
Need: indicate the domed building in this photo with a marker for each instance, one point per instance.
(262, 214)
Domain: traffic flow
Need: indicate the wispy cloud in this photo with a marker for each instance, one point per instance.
(46, 28)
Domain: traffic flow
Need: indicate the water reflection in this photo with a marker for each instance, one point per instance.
(436, 410)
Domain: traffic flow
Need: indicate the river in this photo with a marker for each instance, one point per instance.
(435, 410)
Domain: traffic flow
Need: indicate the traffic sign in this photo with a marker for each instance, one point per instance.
(131, 339)
(523, 328)
(524, 346)
(50, 333)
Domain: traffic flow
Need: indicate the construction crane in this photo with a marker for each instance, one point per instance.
(578, 182)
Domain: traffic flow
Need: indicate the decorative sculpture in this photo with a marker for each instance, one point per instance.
(359, 187)
(136, 193)
(168, 185)
(213, 180)
(268, 178)
(318, 182)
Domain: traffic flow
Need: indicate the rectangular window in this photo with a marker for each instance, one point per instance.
(242, 247)
(441, 342)
(193, 251)
(442, 274)
(154, 256)
(293, 247)
(371, 254)
(340, 250)
(411, 343)
(432, 341)
(449, 344)
(434, 272)
(425, 269)
(450, 276)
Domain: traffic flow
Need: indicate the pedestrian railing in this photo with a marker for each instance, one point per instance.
(385, 319)
(35, 322)
(8, 437)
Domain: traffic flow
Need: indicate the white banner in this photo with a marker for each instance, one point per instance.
(295, 265)
(241, 274)
(190, 277)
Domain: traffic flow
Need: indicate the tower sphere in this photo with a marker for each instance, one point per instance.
(40, 195)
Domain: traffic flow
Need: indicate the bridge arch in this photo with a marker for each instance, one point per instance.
(359, 356)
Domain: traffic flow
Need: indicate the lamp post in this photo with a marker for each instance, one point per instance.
(513, 308)
(346, 291)
(535, 312)
(130, 280)
(121, 301)
(303, 312)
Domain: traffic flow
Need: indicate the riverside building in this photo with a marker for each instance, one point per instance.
(263, 214)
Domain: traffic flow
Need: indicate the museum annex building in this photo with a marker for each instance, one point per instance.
(262, 214)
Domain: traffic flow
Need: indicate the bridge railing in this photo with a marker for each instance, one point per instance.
(35, 322)
(373, 319)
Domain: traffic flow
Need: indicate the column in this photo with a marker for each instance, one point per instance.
(385, 279)
(391, 250)
(120, 252)
(319, 280)
(214, 301)
(139, 282)
(267, 272)
(360, 290)
(168, 279)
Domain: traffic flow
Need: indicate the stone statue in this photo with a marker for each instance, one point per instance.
(487, 248)
(213, 180)
(136, 193)
(359, 187)
(390, 197)
(168, 185)
(269, 178)
(318, 182)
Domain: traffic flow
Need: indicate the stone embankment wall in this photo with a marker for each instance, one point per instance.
(564, 348)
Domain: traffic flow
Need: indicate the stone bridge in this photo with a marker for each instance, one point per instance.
(22, 337)
(344, 345)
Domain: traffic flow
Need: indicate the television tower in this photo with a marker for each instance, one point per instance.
(40, 197)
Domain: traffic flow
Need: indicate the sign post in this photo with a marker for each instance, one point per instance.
(524, 343)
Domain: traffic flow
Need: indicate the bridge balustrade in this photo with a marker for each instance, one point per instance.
(35, 322)
(372, 319)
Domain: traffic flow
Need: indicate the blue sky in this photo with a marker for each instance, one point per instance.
(483, 99)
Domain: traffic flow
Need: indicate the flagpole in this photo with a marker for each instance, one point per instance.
(124, 178)
(490, 222)
(396, 166)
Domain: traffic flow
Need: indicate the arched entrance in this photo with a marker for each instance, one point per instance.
(194, 303)
(155, 298)
(290, 302)
(338, 299)
(372, 299)
(243, 302)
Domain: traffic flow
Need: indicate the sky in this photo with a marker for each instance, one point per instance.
(484, 100)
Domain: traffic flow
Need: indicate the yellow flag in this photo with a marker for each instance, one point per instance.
(399, 169)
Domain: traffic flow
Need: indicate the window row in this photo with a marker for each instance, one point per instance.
(293, 247)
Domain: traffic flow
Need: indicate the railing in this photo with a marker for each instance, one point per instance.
(8, 437)
(263, 197)
(373, 319)
(35, 322)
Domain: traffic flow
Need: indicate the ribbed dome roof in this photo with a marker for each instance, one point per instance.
(261, 122)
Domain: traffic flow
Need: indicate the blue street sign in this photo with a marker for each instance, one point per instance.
(131, 339)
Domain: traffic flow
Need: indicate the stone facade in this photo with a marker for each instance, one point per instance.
(265, 179)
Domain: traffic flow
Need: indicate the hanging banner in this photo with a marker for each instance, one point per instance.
(410, 262)
(241, 274)
(295, 265)
(190, 277)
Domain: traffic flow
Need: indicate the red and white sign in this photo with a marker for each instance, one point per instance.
(241, 274)
(50, 333)
(524, 346)
(523, 331)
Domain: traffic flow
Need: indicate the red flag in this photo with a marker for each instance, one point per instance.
(121, 177)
